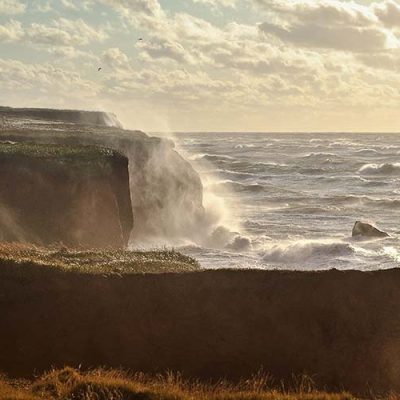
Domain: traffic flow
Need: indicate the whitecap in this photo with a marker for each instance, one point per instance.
(302, 251)
(380, 169)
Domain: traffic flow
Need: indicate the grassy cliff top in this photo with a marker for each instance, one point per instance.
(109, 262)
(56, 152)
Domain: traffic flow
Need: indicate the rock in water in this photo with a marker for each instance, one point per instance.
(364, 229)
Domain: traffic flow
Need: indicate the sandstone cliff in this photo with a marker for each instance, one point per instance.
(78, 196)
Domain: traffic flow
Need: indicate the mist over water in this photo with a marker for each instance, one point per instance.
(289, 201)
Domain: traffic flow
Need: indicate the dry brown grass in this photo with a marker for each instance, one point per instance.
(96, 261)
(70, 384)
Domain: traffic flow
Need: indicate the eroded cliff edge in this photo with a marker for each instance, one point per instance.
(166, 193)
(78, 196)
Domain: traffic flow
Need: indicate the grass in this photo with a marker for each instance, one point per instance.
(109, 262)
(54, 151)
(97, 158)
(71, 384)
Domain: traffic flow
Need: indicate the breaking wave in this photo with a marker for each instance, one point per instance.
(380, 169)
(297, 252)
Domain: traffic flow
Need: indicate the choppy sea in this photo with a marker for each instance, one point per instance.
(292, 199)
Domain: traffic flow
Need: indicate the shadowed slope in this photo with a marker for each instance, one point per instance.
(75, 195)
(341, 328)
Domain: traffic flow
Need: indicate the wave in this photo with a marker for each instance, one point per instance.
(366, 152)
(237, 186)
(297, 252)
(363, 200)
(244, 146)
(213, 157)
(380, 169)
(319, 155)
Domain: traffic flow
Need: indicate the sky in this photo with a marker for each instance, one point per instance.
(208, 65)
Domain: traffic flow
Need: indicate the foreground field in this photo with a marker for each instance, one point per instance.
(70, 384)
(158, 311)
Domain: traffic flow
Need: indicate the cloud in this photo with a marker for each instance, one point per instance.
(345, 38)
(69, 4)
(389, 60)
(115, 57)
(330, 24)
(70, 53)
(64, 32)
(388, 12)
(329, 12)
(43, 78)
(42, 6)
(166, 50)
(11, 31)
(217, 3)
(11, 7)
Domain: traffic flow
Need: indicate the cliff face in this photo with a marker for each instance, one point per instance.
(166, 192)
(341, 328)
(67, 116)
(76, 196)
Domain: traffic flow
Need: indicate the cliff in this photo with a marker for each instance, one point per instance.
(341, 328)
(166, 192)
(52, 115)
(78, 196)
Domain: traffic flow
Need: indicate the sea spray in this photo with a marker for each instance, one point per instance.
(214, 227)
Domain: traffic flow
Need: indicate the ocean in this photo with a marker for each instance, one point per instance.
(289, 201)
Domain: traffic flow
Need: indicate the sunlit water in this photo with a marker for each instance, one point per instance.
(297, 197)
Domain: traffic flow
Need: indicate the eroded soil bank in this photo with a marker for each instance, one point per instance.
(341, 328)
(78, 196)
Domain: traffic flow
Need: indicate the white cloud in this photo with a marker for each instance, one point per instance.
(11, 7)
(42, 6)
(330, 24)
(43, 78)
(64, 32)
(115, 57)
(388, 12)
(345, 38)
(166, 50)
(11, 31)
(216, 3)
(69, 4)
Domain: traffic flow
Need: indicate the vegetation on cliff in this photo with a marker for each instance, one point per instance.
(100, 160)
(68, 384)
(105, 262)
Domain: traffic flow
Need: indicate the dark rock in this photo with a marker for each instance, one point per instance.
(367, 230)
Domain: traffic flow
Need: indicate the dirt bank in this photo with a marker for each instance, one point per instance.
(78, 196)
(342, 328)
